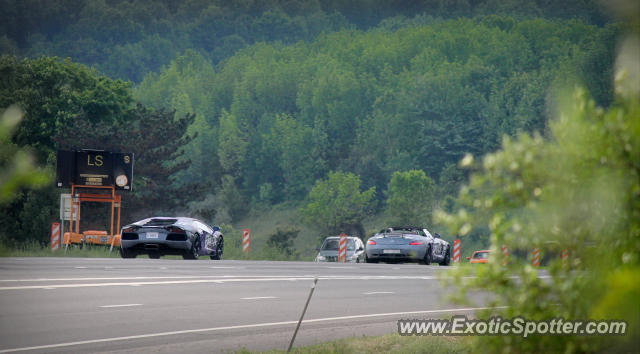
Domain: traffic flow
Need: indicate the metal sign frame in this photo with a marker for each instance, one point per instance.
(78, 198)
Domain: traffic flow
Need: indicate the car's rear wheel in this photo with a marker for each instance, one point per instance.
(154, 255)
(124, 253)
(447, 258)
(193, 253)
(428, 256)
(219, 250)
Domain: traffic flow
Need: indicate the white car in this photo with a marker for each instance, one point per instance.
(328, 252)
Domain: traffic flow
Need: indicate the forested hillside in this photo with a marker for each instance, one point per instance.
(127, 39)
(263, 100)
(274, 118)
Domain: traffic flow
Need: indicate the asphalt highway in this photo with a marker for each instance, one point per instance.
(80, 305)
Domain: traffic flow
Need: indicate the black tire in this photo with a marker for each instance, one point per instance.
(447, 258)
(219, 250)
(369, 260)
(154, 255)
(192, 253)
(124, 253)
(428, 257)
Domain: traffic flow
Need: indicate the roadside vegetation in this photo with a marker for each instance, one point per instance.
(392, 343)
(510, 125)
(276, 100)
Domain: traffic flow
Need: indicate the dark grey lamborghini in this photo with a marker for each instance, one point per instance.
(159, 236)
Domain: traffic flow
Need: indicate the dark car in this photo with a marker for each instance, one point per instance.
(407, 243)
(159, 236)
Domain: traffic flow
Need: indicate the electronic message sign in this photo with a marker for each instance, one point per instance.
(94, 168)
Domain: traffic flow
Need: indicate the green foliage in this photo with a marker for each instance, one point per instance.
(337, 205)
(282, 240)
(128, 39)
(277, 117)
(17, 166)
(577, 190)
(390, 343)
(52, 93)
(232, 144)
(411, 198)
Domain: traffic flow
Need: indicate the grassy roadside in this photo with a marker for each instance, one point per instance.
(390, 343)
(36, 250)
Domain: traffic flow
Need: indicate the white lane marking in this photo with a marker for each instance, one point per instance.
(378, 292)
(222, 267)
(49, 288)
(219, 280)
(123, 305)
(81, 267)
(256, 325)
(258, 298)
(156, 277)
(163, 268)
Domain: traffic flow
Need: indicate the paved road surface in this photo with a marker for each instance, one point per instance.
(79, 305)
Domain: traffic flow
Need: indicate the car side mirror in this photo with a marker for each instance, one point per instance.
(437, 235)
(468, 258)
(360, 248)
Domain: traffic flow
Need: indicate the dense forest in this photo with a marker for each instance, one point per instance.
(236, 106)
(507, 123)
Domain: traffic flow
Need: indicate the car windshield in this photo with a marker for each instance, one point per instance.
(331, 244)
(481, 255)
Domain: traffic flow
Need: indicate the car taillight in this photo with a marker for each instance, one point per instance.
(129, 229)
(371, 242)
(416, 243)
(175, 230)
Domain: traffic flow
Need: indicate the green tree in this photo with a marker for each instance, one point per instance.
(577, 190)
(282, 240)
(292, 143)
(233, 144)
(52, 93)
(411, 198)
(337, 205)
(17, 166)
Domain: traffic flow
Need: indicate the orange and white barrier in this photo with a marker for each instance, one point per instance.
(536, 257)
(505, 255)
(565, 258)
(342, 249)
(456, 251)
(55, 236)
(246, 241)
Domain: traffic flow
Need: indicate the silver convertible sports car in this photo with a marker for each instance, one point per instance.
(412, 244)
(159, 236)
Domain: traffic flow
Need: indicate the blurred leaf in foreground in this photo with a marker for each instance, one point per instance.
(17, 165)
